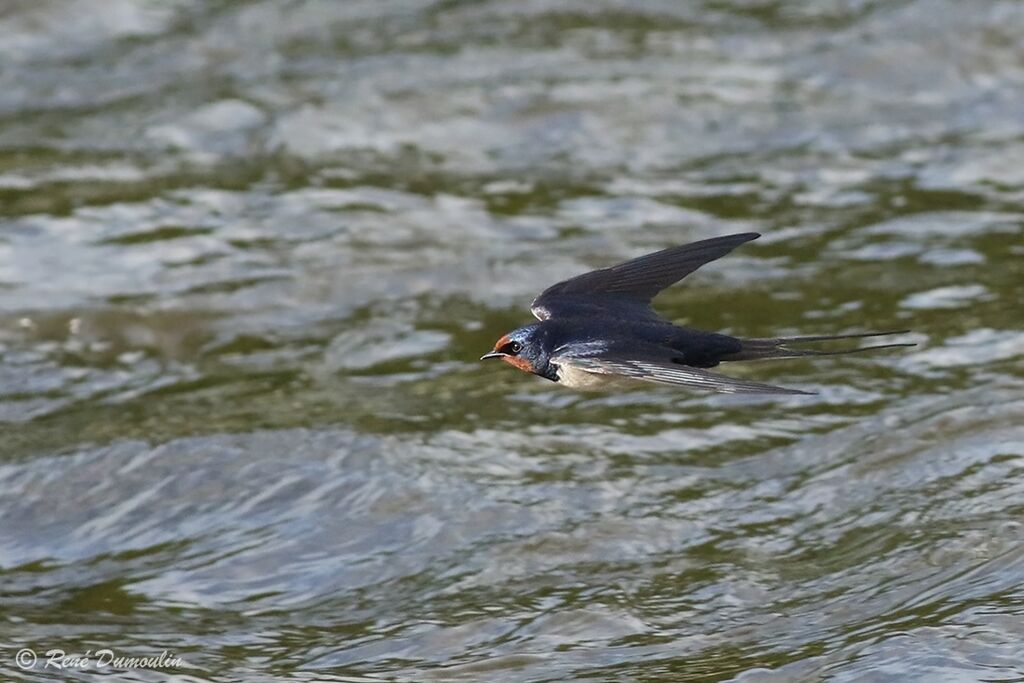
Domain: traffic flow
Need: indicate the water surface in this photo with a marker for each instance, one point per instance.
(250, 253)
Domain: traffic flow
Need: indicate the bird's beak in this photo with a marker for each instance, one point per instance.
(492, 354)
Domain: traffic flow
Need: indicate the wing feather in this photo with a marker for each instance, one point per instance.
(632, 284)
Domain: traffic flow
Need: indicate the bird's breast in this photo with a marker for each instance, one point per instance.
(574, 378)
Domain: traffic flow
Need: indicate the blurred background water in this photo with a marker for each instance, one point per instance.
(250, 253)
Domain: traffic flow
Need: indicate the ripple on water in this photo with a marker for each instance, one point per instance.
(251, 251)
(953, 296)
(993, 345)
(489, 545)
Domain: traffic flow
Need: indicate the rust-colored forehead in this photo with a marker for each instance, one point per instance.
(517, 362)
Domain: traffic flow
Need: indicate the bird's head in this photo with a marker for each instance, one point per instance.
(523, 349)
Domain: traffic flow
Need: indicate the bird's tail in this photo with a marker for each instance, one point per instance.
(779, 347)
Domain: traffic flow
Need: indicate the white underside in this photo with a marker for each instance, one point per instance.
(574, 378)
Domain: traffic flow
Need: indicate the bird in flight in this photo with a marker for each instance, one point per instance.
(598, 330)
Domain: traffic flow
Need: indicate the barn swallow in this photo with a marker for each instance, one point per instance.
(598, 330)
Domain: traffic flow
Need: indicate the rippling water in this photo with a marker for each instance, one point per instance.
(250, 252)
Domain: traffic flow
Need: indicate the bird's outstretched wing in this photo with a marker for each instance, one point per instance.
(660, 368)
(631, 285)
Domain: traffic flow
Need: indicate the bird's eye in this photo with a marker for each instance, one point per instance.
(513, 348)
